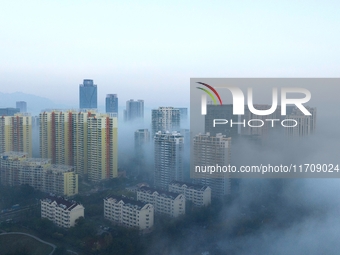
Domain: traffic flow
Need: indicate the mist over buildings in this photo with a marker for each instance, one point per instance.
(149, 51)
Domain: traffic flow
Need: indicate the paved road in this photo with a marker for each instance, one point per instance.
(72, 252)
(16, 214)
(36, 238)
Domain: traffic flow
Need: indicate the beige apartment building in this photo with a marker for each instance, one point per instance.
(17, 169)
(16, 133)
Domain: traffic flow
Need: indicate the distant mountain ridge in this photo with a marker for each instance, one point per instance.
(35, 104)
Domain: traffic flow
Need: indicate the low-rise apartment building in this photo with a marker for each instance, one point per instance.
(60, 211)
(129, 213)
(199, 195)
(165, 202)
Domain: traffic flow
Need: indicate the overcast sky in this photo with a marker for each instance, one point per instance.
(151, 49)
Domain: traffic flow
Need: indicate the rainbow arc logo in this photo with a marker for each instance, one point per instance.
(213, 95)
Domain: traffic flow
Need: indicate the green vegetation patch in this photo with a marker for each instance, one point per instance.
(22, 244)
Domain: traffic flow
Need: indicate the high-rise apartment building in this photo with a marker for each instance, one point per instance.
(56, 130)
(22, 105)
(212, 151)
(86, 140)
(111, 104)
(304, 124)
(102, 147)
(253, 129)
(16, 133)
(169, 149)
(142, 138)
(79, 137)
(35, 121)
(142, 141)
(221, 112)
(165, 119)
(134, 110)
(87, 95)
(183, 112)
(16, 168)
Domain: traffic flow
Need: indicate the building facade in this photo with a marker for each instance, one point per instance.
(305, 124)
(129, 213)
(199, 195)
(86, 140)
(22, 105)
(221, 112)
(134, 110)
(56, 129)
(210, 151)
(16, 133)
(165, 119)
(142, 141)
(266, 128)
(164, 202)
(183, 112)
(60, 211)
(102, 154)
(16, 168)
(88, 95)
(142, 137)
(169, 149)
(111, 104)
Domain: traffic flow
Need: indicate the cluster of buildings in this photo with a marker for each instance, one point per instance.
(17, 168)
(87, 140)
(84, 142)
(140, 213)
(214, 146)
(21, 107)
(88, 100)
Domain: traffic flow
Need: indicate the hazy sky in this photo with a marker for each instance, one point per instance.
(151, 49)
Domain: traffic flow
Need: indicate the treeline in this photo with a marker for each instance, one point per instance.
(23, 195)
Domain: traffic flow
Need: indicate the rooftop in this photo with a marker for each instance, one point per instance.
(61, 168)
(162, 193)
(14, 154)
(189, 185)
(61, 202)
(38, 161)
(128, 202)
